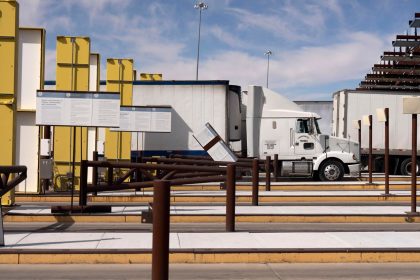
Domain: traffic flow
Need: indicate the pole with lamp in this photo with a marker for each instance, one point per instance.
(201, 6)
(268, 54)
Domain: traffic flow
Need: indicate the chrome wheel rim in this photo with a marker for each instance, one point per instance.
(408, 168)
(332, 172)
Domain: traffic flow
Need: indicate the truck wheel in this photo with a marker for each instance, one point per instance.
(331, 170)
(406, 167)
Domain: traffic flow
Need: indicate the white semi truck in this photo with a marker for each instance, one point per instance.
(274, 125)
(351, 105)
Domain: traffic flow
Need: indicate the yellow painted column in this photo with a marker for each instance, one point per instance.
(150, 77)
(119, 78)
(9, 23)
(73, 58)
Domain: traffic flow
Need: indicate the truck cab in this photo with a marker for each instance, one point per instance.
(276, 125)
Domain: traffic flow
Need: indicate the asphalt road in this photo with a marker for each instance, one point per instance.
(215, 271)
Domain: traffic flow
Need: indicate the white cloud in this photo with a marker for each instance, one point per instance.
(271, 23)
(329, 64)
(44, 14)
(292, 20)
(227, 38)
(305, 67)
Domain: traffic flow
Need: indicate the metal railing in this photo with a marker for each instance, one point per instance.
(7, 183)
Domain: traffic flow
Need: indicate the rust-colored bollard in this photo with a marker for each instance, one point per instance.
(255, 182)
(386, 158)
(230, 197)
(360, 145)
(110, 176)
(83, 183)
(161, 216)
(95, 171)
(370, 150)
(268, 173)
(414, 163)
(276, 167)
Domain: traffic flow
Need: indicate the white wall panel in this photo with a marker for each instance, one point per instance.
(29, 72)
(27, 150)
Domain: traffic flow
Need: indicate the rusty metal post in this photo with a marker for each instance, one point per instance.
(83, 183)
(360, 146)
(386, 159)
(414, 163)
(370, 150)
(230, 197)
(110, 178)
(276, 167)
(161, 215)
(95, 171)
(255, 181)
(73, 168)
(267, 173)
(46, 135)
(1, 228)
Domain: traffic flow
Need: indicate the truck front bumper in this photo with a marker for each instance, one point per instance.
(354, 169)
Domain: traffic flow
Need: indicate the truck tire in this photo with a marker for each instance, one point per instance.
(331, 170)
(405, 167)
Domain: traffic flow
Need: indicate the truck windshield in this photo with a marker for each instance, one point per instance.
(317, 127)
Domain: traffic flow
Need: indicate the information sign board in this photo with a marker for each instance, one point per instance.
(213, 144)
(89, 109)
(145, 119)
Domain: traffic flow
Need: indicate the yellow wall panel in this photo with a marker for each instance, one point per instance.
(80, 78)
(9, 15)
(9, 11)
(81, 51)
(7, 135)
(7, 66)
(119, 73)
(72, 75)
(150, 77)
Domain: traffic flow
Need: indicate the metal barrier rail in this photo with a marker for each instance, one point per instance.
(6, 186)
(178, 171)
(5, 171)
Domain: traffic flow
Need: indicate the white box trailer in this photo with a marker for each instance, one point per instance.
(352, 105)
(276, 125)
(323, 108)
(193, 103)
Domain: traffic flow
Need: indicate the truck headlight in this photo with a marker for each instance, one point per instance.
(354, 157)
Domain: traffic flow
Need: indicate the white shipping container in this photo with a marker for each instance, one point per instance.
(193, 103)
(351, 105)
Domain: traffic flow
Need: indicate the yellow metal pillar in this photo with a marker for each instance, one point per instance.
(9, 23)
(73, 59)
(150, 77)
(119, 78)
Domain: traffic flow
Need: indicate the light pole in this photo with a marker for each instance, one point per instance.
(268, 53)
(200, 6)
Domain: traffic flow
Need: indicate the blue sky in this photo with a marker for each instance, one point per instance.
(319, 46)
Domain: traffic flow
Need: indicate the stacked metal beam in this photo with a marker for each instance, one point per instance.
(399, 69)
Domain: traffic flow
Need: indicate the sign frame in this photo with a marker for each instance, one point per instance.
(91, 95)
(145, 107)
